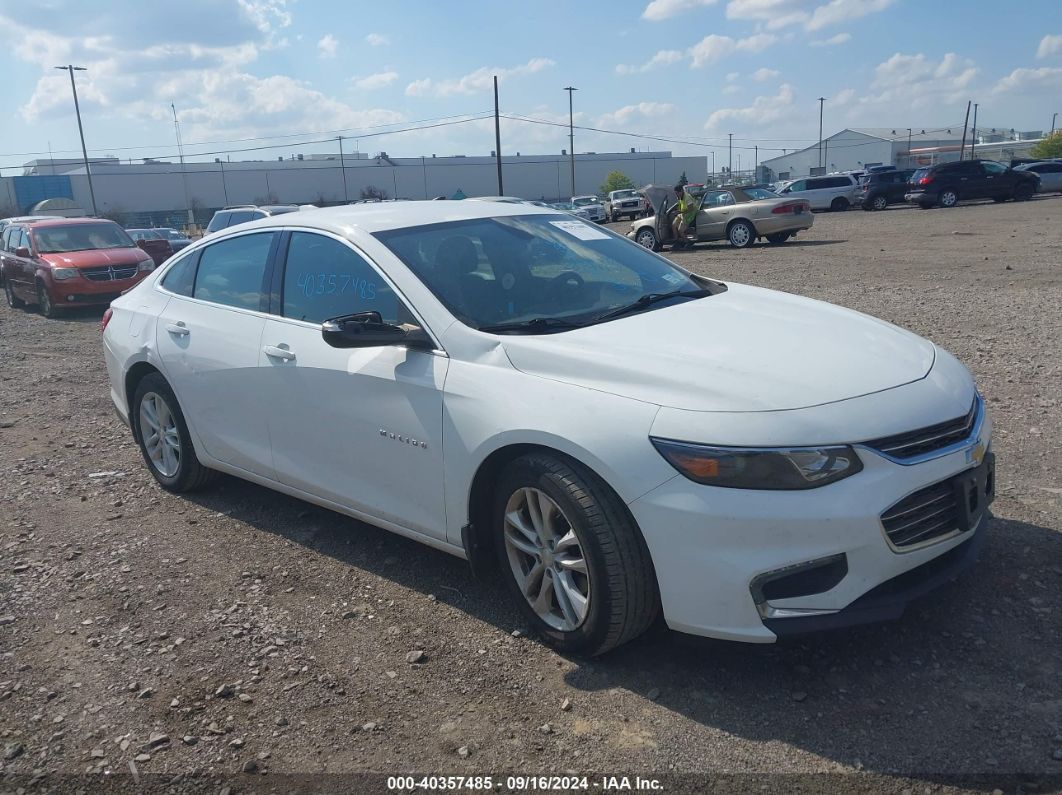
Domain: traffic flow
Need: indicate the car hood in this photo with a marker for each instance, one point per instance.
(746, 349)
(96, 258)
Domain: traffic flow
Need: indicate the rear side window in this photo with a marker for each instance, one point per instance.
(231, 272)
(324, 278)
(180, 278)
(219, 221)
(240, 216)
(4, 240)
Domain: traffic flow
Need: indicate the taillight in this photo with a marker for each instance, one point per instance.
(106, 319)
(925, 180)
(788, 208)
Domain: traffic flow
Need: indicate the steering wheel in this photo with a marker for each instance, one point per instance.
(569, 281)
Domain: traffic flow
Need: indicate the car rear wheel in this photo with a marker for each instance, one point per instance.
(999, 199)
(779, 238)
(162, 435)
(614, 217)
(572, 555)
(879, 203)
(13, 300)
(647, 239)
(948, 198)
(1023, 193)
(741, 234)
(839, 205)
(44, 302)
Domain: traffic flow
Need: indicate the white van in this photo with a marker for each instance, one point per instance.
(831, 192)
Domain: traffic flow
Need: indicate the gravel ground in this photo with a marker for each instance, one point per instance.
(239, 633)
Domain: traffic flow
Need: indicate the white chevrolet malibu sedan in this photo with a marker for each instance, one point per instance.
(615, 436)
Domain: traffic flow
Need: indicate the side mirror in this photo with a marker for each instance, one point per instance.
(367, 330)
(22, 251)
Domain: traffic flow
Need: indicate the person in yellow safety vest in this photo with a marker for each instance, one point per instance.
(687, 209)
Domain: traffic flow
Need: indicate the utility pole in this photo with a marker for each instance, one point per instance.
(731, 158)
(756, 171)
(822, 102)
(966, 121)
(973, 135)
(497, 138)
(81, 130)
(343, 169)
(1053, 117)
(184, 173)
(571, 134)
(910, 159)
(713, 165)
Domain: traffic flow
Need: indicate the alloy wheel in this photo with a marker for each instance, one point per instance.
(740, 235)
(949, 198)
(546, 559)
(647, 239)
(158, 429)
(880, 203)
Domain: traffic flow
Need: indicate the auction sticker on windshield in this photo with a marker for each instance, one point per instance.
(580, 230)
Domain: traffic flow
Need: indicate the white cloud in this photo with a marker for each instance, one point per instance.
(266, 15)
(375, 81)
(480, 80)
(663, 9)
(1022, 81)
(629, 113)
(764, 74)
(714, 47)
(833, 41)
(1049, 45)
(328, 46)
(732, 88)
(916, 81)
(763, 110)
(837, 11)
(732, 76)
(843, 97)
(377, 40)
(661, 58)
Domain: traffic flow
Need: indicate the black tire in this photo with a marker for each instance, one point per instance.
(1023, 192)
(190, 475)
(879, 202)
(839, 205)
(926, 205)
(647, 239)
(614, 217)
(999, 199)
(741, 234)
(948, 198)
(13, 300)
(623, 598)
(44, 302)
(778, 239)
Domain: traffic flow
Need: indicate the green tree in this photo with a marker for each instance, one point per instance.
(683, 180)
(1051, 146)
(616, 180)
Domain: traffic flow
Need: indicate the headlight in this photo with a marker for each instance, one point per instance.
(61, 274)
(147, 265)
(752, 468)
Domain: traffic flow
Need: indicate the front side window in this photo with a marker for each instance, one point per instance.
(325, 278)
(800, 184)
(231, 272)
(991, 167)
(532, 268)
(81, 237)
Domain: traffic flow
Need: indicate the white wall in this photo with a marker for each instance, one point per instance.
(845, 151)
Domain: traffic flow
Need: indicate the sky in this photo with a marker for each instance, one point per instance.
(261, 79)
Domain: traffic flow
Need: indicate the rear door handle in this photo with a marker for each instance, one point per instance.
(279, 353)
(178, 329)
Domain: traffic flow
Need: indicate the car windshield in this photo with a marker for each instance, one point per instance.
(582, 201)
(80, 237)
(532, 269)
(760, 193)
(624, 194)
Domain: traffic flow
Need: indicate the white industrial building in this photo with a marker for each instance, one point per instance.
(161, 192)
(856, 148)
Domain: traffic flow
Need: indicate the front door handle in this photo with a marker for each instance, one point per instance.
(178, 329)
(279, 353)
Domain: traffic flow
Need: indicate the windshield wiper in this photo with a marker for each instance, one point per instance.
(536, 325)
(648, 300)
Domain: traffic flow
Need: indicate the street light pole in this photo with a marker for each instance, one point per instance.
(343, 169)
(909, 158)
(184, 173)
(571, 133)
(973, 135)
(1053, 117)
(822, 102)
(731, 157)
(81, 130)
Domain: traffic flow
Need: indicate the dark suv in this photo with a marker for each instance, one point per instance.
(947, 184)
(879, 189)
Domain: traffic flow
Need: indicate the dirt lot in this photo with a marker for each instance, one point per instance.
(243, 630)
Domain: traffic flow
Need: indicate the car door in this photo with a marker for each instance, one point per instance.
(209, 337)
(22, 269)
(714, 214)
(1050, 176)
(360, 427)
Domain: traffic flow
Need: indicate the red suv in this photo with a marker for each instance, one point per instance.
(69, 261)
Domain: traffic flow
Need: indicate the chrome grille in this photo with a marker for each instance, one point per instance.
(109, 273)
(928, 439)
(922, 516)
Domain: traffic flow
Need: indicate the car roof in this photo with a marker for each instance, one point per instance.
(68, 222)
(378, 217)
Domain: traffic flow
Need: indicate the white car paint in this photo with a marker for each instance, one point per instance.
(746, 367)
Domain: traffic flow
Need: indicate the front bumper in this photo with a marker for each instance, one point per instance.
(82, 291)
(711, 545)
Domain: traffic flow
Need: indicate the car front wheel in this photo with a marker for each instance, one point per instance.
(1023, 193)
(572, 555)
(44, 302)
(163, 437)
